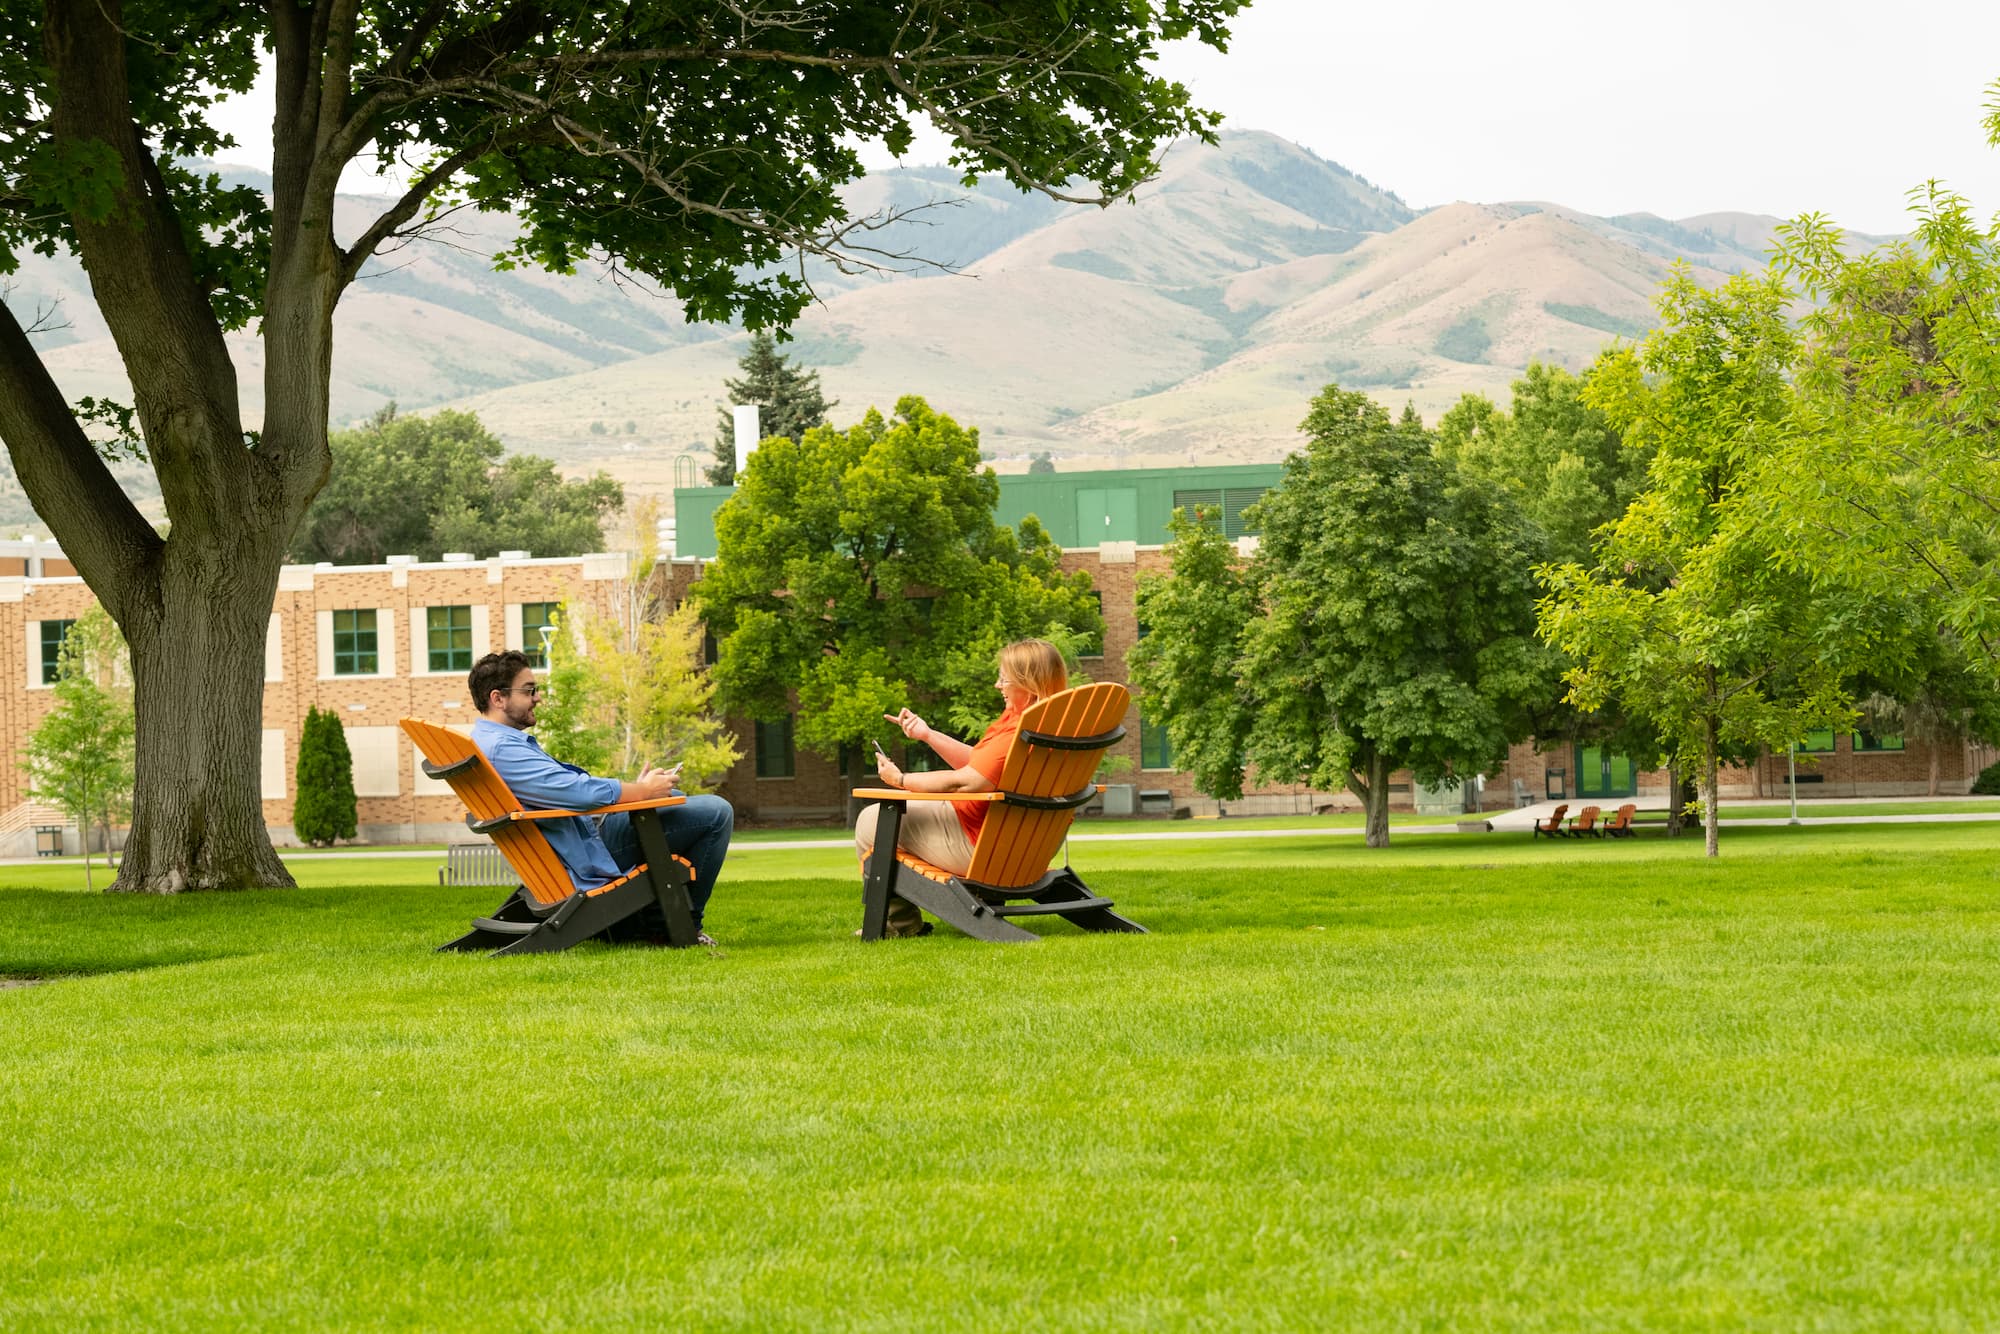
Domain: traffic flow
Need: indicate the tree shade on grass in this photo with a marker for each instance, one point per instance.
(1454, 1084)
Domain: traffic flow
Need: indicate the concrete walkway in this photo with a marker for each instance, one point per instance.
(1503, 821)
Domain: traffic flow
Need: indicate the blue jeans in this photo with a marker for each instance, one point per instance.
(698, 831)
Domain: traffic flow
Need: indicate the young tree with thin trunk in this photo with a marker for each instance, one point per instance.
(698, 146)
(627, 687)
(79, 756)
(1689, 621)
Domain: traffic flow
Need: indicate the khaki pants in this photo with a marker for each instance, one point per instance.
(930, 830)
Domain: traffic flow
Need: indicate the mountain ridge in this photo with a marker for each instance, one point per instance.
(1191, 324)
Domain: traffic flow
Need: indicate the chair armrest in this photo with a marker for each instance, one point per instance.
(904, 794)
(599, 810)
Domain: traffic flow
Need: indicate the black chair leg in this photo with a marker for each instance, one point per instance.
(667, 878)
(880, 881)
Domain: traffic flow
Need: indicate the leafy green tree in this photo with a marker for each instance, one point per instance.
(699, 146)
(1560, 458)
(79, 756)
(627, 686)
(323, 808)
(1386, 621)
(1186, 669)
(788, 398)
(1889, 482)
(1929, 686)
(423, 486)
(863, 571)
(1688, 619)
(1571, 474)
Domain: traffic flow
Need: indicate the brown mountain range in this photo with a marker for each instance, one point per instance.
(1190, 325)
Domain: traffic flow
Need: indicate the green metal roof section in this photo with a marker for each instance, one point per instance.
(1079, 509)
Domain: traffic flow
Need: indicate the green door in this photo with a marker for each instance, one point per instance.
(1601, 773)
(1107, 514)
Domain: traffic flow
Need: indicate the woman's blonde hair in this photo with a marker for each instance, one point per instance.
(1036, 666)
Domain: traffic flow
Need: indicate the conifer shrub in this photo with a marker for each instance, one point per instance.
(1988, 782)
(324, 810)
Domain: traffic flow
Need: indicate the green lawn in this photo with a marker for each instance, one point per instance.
(1466, 1083)
(1843, 810)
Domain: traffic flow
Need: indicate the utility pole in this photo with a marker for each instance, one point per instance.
(1792, 766)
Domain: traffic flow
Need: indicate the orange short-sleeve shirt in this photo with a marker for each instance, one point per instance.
(989, 757)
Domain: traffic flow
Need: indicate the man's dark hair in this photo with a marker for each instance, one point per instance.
(495, 671)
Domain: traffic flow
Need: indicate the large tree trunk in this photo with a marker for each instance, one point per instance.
(193, 605)
(1936, 748)
(198, 694)
(1373, 790)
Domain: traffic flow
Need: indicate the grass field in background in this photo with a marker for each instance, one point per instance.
(1463, 1083)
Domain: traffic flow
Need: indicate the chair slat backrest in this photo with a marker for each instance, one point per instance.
(1017, 843)
(487, 796)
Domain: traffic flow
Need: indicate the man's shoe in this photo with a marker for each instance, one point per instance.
(703, 938)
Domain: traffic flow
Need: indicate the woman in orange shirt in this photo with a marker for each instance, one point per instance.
(944, 833)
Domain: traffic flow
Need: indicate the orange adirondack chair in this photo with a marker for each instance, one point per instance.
(1046, 776)
(1620, 824)
(1552, 827)
(548, 912)
(1584, 823)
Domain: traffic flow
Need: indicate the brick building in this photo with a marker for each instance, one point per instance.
(1130, 510)
(376, 643)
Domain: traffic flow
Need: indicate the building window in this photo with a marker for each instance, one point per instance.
(354, 643)
(53, 635)
(450, 638)
(1819, 741)
(1871, 741)
(775, 758)
(1094, 646)
(1155, 751)
(536, 617)
(1224, 505)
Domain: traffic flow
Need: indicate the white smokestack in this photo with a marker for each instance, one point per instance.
(746, 435)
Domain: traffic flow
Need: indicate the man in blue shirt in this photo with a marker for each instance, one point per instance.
(595, 852)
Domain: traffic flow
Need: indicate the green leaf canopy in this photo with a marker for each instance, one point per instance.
(863, 571)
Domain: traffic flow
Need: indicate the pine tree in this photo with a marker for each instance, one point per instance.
(788, 398)
(324, 810)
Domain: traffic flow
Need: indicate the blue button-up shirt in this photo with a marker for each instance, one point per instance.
(542, 782)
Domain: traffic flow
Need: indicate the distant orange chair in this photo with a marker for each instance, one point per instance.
(548, 912)
(1620, 824)
(1551, 827)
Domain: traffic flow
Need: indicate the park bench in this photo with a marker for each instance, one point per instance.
(1043, 780)
(475, 864)
(1584, 823)
(548, 912)
(1620, 824)
(1551, 827)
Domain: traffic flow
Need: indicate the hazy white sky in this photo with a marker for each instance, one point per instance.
(1763, 106)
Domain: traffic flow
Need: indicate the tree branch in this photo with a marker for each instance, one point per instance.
(183, 382)
(403, 210)
(101, 531)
